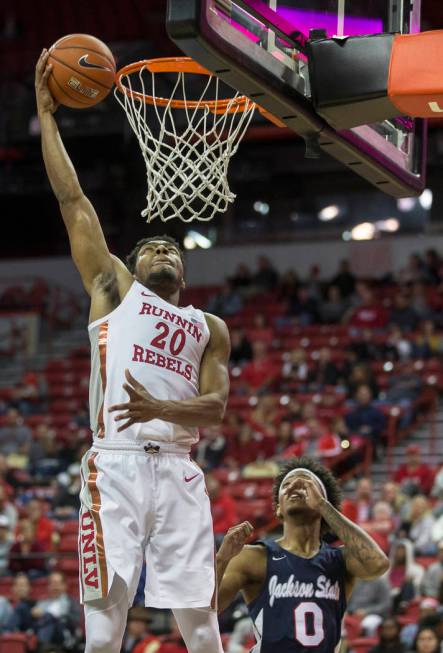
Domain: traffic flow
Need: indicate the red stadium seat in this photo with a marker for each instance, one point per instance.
(14, 643)
(68, 544)
(69, 566)
(363, 644)
(69, 527)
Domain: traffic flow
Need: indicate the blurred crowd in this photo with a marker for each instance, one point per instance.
(338, 369)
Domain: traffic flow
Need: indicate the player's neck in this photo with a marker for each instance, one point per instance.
(301, 539)
(165, 293)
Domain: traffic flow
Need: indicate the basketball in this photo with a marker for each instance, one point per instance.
(83, 71)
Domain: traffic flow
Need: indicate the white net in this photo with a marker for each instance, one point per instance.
(186, 165)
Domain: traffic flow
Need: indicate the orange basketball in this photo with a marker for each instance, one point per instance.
(83, 71)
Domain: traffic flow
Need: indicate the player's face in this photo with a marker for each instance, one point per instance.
(292, 496)
(159, 262)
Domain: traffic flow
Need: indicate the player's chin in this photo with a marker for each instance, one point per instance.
(163, 274)
(297, 508)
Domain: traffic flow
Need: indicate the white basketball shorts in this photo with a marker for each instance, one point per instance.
(137, 505)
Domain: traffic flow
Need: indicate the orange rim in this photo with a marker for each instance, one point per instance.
(178, 65)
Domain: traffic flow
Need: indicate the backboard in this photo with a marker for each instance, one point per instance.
(259, 48)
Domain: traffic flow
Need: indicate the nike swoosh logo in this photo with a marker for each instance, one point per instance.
(190, 478)
(83, 61)
(282, 558)
(147, 294)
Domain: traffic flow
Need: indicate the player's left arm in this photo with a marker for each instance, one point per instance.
(205, 410)
(363, 557)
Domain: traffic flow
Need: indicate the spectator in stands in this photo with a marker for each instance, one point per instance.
(420, 526)
(333, 308)
(398, 345)
(304, 307)
(295, 369)
(427, 614)
(285, 439)
(260, 374)
(328, 445)
(6, 540)
(21, 618)
(223, 507)
(370, 600)
(247, 446)
(344, 279)
(15, 437)
(5, 613)
(369, 313)
(26, 553)
(414, 270)
(27, 392)
(211, 448)
(405, 575)
(392, 494)
(427, 641)
(289, 282)
(136, 629)
(366, 419)
(266, 277)
(433, 578)
(7, 509)
(56, 618)
(43, 526)
(44, 453)
(266, 415)
(389, 637)
(433, 266)
(241, 349)
(359, 509)
(427, 342)
(402, 314)
(226, 302)
(414, 476)
(6, 477)
(66, 502)
(361, 374)
(419, 301)
(381, 526)
(314, 284)
(366, 348)
(241, 279)
(323, 372)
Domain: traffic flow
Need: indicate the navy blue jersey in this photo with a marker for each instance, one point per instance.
(302, 601)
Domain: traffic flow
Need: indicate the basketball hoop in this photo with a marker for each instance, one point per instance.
(186, 166)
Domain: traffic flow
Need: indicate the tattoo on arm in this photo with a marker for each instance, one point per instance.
(361, 552)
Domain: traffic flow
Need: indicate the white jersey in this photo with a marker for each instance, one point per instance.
(162, 346)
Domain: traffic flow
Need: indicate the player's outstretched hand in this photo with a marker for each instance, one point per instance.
(141, 407)
(45, 101)
(234, 540)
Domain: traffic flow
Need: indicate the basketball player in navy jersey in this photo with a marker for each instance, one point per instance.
(297, 587)
(158, 372)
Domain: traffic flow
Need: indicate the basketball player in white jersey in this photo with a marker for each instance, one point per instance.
(158, 372)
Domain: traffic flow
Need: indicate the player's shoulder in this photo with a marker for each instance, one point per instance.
(217, 328)
(253, 559)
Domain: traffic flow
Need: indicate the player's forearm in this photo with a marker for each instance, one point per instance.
(205, 410)
(61, 173)
(224, 599)
(364, 555)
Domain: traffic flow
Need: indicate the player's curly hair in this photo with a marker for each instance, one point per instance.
(131, 259)
(333, 490)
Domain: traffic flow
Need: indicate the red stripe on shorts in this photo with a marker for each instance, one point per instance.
(95, 510)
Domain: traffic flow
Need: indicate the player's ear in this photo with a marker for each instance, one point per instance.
(183, 284)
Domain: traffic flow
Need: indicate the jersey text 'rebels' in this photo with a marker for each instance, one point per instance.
(162, 346)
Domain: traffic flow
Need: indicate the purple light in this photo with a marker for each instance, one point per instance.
(353, 25)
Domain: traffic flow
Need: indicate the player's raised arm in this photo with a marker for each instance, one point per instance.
(363, 557)
(236, 566)
(88, 246)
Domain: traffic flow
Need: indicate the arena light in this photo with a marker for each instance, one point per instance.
(406, 204)
(426, 199)
(261, 207)
(364, 231)
(390, 225)
(329, 213)
(346, 236)
(199, 239)
(189, 242)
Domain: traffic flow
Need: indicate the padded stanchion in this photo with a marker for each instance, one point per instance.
(360, 80)
(415, 84)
